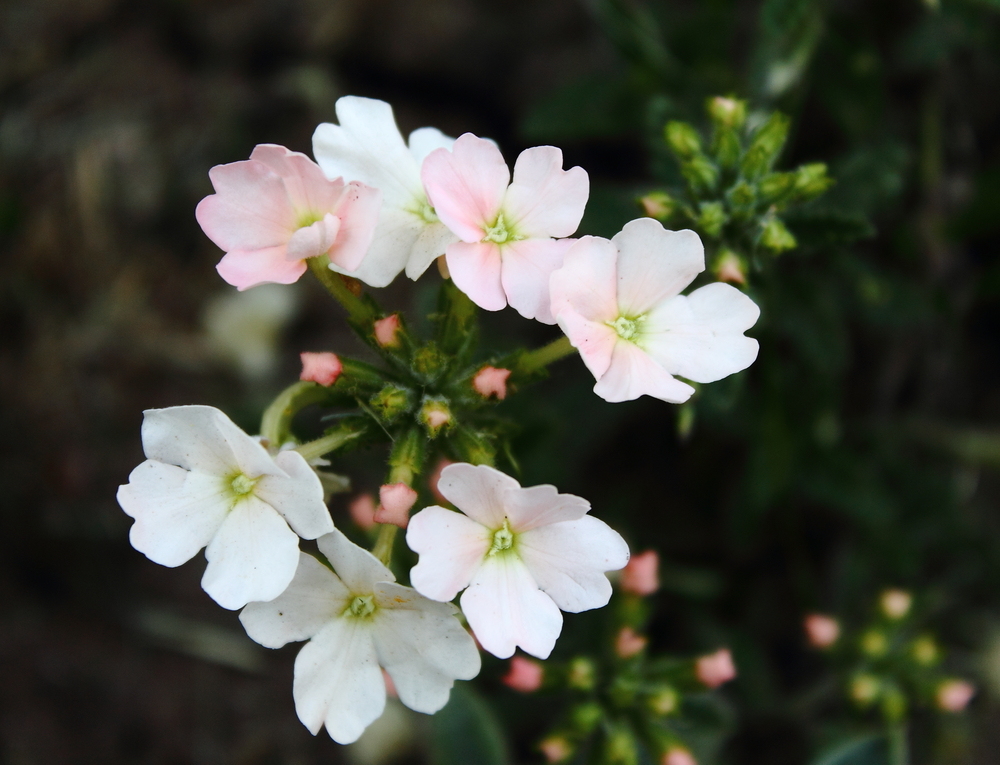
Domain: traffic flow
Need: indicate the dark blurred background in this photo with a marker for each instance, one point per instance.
(859, 452)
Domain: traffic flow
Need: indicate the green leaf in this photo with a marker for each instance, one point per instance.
(467, 731)
(870, 750)
(632, 29)
(788, 33)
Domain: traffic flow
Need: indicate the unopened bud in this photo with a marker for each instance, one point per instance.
(435, 476)
(491, 381)
(765, 146)
(686, 416)
(741, 197)
(629, 643)
(524, 675)
(875, 644)
(435, 415)
(894, 704)
(391, 402)
(658, 205)
(664, 701)
(641, 574)
(682, 139)
(620, 747)
(322, 368)
(556, 749)
(776, 237)
(954, 695)
(712, 217)
(774, 187)
(729, 112)
(428, 361)
(895, 604)
(811, 180)
(700, 173)
(677, 755)
(730, 267)
(715, 668)
(362, 510)
(396, 500)
(865, 689)
(924, 651)
(822, 631)
(387, 331)
(585, 717)
(582, 675)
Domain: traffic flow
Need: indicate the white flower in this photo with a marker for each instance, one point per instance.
(367, 146)
(619, 303)
(356, 619)
(523, 554)
(208, 484)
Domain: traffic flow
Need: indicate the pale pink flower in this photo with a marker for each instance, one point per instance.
(628, 643)
(277, 209)
(386, 330)
(490, 381)
(676, 755)
(896, 603)
(322, 368)
(715, 668)
(619, 303)
(396, 500)
(362, 509)
(524, 675)
(954, 695)
(641, 575)
(821, 630)
(507, 250)
(522, 554)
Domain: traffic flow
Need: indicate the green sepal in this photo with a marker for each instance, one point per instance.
(765, 146)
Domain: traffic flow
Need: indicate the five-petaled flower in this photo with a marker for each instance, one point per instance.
(507, 251)
(206, 483)
(276, 210)
(619, 303)
(357, 619)
(520, 554)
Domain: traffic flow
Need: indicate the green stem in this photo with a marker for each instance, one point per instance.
(328, 443)
(542, 357)
(275, 425)
(358, 311)
(383, 545)
(899, 748)
(405, 463)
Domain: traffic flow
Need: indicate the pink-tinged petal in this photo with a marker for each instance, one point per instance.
(423, 647)
(821, 630)
(632, 373)
(506, 610)
(545, 200)
(527, 266)
(253, 556)
(396, 501)
(395, 236)
(586, 283)
(524, 675)
(568, 560)
(595, 341)
(700, 336)
(314, 239)
(386, 330)
(308, 189)
(451, 549)
(677, 755)
(323, 368)
(629, 643)
(479, 491)
(541, 505)
(357, 568)
(358, 211)
(362, 510)
(954, 695)
(715, 668)
(641, 575)
(298, 498)
(654, 264)
(338, 682)
(176, 512)
(490, 381)
(475, 269)
(466, 186)
(424, 140)
(249, 268)
(431, 244)
(315, 596)
(250, 209)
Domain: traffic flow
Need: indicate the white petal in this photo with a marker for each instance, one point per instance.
(396, 234)
(422, 646)
(654, 264)
(297, 497)
(425, 140)
(315, 596)
(632, 373)
(338, 681)
(506, 609)
(176, 512)
(451, 547)
(431, 244)
(478, 491)
(700, 336)
(541, 505)
(568, 561)
(587, 281)
(357, 568)
(545, 200)
(252, 557)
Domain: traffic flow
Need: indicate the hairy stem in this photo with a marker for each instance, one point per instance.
(328, 443)
(357, 310)
(899, 748)
(275, 425)
(542, 357)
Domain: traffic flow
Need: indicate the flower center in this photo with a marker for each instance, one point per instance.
(362, 605)
(307, 219)
(426, 213)
(242, 485)
(498, 233)
(626, 328)
(503, 539)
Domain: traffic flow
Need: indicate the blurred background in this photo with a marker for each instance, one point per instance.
(860, 452)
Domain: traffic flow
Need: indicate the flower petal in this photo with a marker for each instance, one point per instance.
(506, 609)
(338, 681)
(424, 140)
(297, 497)
(252, 557)
(595, 341)
(357, 568)
(541, 505)
(315, 596)
(525, 271)
(586, 283)
(432, 243)
(654, 264)
(307, 188)
(700, 336)
(632, 373)
(314, 239)
(395, 236)
(176, 512)
(568, 561)
(189, 437)
(478, 491)
(250, 209)
(422, 646)
(451, 547)
(475, 269)
(248, 268)
(466, 186)
(545, 200)
(358, 210)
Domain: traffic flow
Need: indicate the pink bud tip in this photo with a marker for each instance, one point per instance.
(628, 643)
(362, 510)
(555, 749)
(390, 686)
(490, 381)
(322, 368)
(386, 331)
(822, 631)
(435, 476)
(730, 269)
(396, 499)
(524, 675)
(715, 668)
(955, 695)
(677, 755)
(641, 574)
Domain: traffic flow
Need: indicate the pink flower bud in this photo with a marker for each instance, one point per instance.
(524, 675)
(555, 749)
(629, 643)
(677, 755)
(435, 476)
(322, 368)
(490, 381)
(386, 330)
(896, 603)
(729, 268)
(362, 510)
(715, 668)
(396, 499)
(390, 686)
(954, 695)
(822, 631)
(640, 576)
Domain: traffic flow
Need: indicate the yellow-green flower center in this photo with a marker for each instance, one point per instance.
(503, 539)
(242, 485)
(625, 327)
(362, 605)
(500, 233)
(426, 213)
(307, 218)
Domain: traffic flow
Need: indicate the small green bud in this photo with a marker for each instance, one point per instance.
(429, 361)
(435, 415)
(894, 704)
(811, 180)
(865, 689)
(472, 446)
(682, 139)
(875, 644)
(775, 237)
(391, 402)
(582, 675)
(712, 217)
(727, 112)
(726, 148)
(664, 701)
(925, 651)
(620, 747)
(774, 187)
(685, 421)
(585, 717)
(623, 692)
(658, 205)
(742, 198)
(700, 173)
(766, 145)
